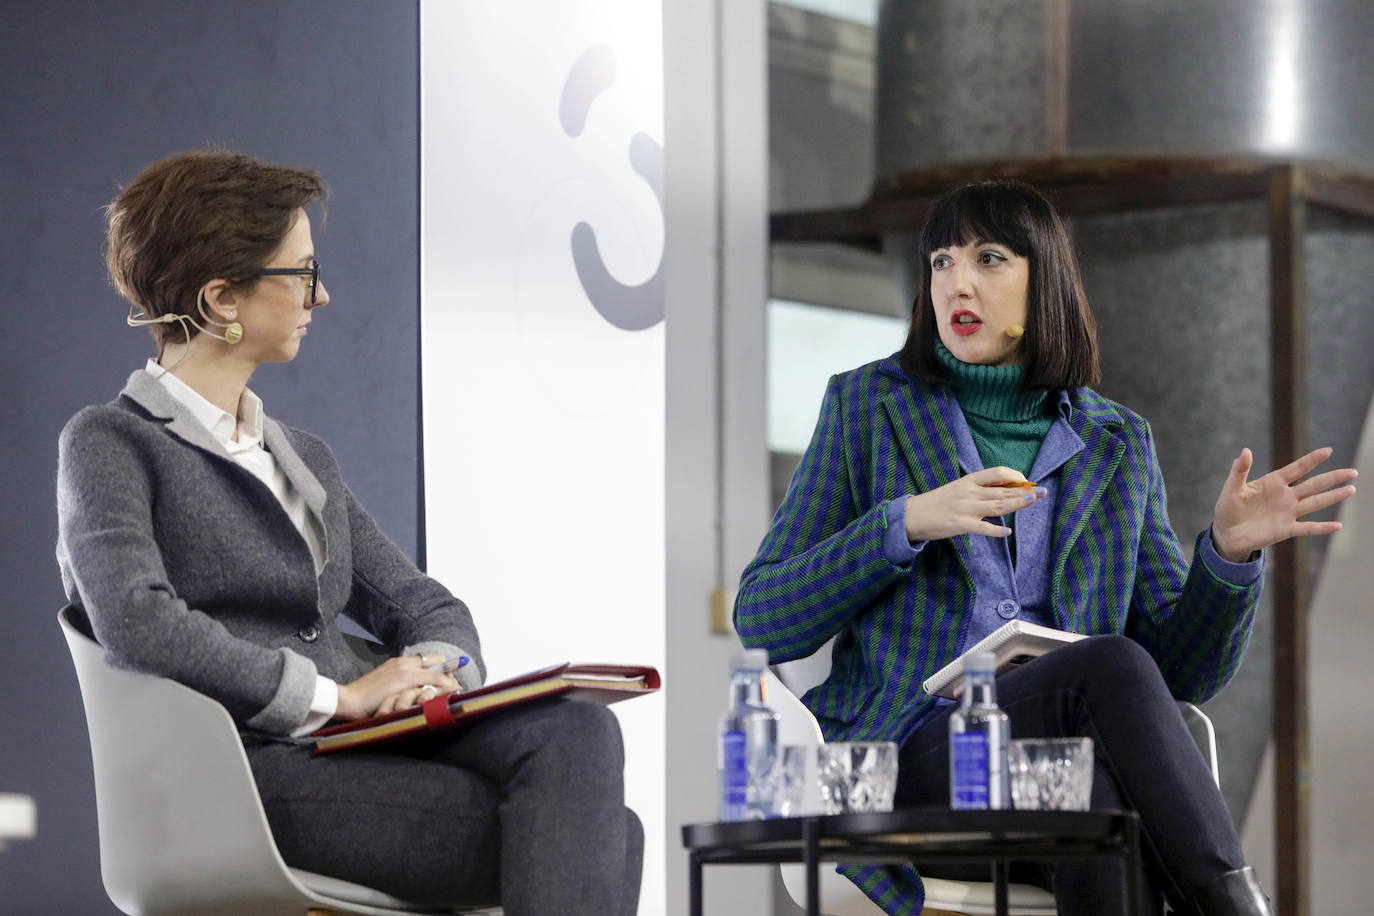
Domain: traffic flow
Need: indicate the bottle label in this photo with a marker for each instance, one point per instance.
(734, 776)
(968, 770)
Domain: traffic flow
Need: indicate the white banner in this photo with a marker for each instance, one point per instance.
(543, 343)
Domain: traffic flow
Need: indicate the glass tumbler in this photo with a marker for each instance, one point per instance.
(856, 776)
(1051, 774)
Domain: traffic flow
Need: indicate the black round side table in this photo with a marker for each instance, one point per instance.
(919, 836)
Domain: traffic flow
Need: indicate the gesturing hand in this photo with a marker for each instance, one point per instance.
(1251, 515)
(394, 684)
(962, 506)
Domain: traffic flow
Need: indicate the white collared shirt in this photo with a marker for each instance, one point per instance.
(247, 450)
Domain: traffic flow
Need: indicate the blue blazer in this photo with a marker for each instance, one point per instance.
(821, 572)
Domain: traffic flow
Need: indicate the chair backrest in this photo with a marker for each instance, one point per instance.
(1204, 734)
(179, 814)
(796, 725)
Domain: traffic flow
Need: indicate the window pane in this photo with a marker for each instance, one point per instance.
(862, 11)
(806, 345)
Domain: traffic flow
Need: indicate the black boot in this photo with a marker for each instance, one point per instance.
(1236, 893)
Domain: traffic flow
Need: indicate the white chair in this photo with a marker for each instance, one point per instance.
(182, 829)
(842, 897)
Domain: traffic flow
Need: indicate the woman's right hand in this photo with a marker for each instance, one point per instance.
(394, 684)
(964, 506)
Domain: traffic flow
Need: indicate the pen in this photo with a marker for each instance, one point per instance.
(1014, 484)
(450, 665)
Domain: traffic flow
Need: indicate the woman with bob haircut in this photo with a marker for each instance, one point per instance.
(897, 537)
(205, 542)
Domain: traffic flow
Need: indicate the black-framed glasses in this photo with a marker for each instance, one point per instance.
(313, 272)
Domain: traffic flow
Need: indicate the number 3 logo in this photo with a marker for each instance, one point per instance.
(630, 308)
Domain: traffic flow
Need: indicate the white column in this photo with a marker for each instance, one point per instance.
(716, 128)
(542, 236)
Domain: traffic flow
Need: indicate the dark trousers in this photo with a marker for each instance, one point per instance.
(525, 809)
(1109, 689)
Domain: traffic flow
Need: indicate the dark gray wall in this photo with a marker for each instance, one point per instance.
(93, 91)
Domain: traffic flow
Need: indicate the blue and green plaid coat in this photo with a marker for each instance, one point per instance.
(821, 572)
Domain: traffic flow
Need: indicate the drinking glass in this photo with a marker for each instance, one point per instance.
(856, 776)
(1054, 774)
(792, 775)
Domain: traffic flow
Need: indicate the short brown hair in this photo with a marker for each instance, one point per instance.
(1061, 336)
(195, 217)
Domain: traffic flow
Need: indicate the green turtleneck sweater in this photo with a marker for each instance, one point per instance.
(1007, 424)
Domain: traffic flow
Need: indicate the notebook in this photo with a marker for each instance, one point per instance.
(1014, 643)
(595, 683)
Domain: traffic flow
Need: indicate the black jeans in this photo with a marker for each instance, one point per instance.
(1109, 689)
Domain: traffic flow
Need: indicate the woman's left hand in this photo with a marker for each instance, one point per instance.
(394, 684)
(411, 696)
(1253, 514)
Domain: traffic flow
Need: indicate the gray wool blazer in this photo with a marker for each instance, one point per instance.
(188, 567)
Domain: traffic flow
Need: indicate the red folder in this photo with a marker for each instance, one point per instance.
(598, 683)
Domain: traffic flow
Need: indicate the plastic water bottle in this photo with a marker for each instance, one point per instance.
(978, 735)
(748, 747)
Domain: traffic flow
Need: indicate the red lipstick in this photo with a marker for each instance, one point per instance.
(965, 328)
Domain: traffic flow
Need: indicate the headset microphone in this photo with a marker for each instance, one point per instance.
(1015, 330)
(233, 331)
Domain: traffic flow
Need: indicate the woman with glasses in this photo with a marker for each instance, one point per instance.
(973, 478)
(208, 543)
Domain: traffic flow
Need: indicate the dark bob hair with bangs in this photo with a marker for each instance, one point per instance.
(1060, 343)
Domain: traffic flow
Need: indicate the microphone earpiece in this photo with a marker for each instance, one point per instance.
(233, 330)
(1015, 330)
(135, 321)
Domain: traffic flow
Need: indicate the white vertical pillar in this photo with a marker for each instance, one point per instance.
(542, 236)
(716, 129)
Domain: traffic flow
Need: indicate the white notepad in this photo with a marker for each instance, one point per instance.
(1014, 643)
